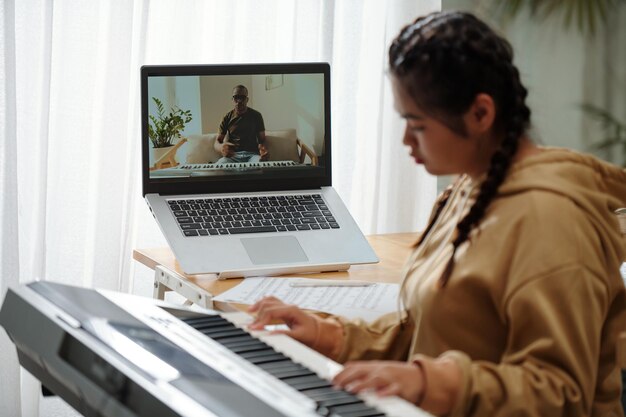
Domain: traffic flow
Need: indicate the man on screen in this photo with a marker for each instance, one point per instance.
(241, 135)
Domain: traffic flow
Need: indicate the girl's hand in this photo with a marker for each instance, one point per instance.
(304, 327)
(386, 378)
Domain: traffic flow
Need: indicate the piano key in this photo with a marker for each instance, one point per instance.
(280, 366)
(221, 326)
(192, 321)
(322, 392)
(235, 339)
(328, 395)
(370, 413)
(258, 354)
(269, 366)
(280, 374)
(361, 408)
(303, 386)
(329, 410)
(248, 348)
(243, 343)
(214, 325)
(294, 367)
(265, 359)
(267, 353)
(226, 333)
(343, 400)
(304, 379)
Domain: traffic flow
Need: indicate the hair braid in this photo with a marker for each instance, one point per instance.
(441, 203)
(445, 60)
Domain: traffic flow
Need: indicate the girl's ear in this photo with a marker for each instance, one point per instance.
(481, 115)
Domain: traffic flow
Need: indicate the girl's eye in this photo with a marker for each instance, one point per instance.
(417, 129)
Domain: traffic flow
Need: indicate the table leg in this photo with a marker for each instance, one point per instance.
(167, 280)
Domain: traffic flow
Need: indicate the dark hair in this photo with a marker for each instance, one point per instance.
(239, 87)
(444, 60)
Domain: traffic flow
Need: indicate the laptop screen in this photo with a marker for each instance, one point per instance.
(224, 128)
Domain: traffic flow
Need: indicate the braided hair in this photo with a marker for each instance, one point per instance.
(444, 60)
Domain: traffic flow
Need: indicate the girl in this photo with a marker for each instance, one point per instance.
(513, 298)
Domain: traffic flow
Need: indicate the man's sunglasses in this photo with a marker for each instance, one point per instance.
(239, 97)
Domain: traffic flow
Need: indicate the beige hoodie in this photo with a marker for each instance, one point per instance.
(532, 310)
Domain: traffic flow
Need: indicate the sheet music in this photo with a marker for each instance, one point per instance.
(367, 302)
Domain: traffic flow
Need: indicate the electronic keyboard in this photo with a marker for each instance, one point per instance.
(238, 165)
(200, 170)
(112, 354)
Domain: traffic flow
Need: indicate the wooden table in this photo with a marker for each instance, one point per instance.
(392, 250)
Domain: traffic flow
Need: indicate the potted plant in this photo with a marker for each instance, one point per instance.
(614, 130)
(164, 127)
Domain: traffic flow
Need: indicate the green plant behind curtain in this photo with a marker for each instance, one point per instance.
(614, 130)
(586, 14)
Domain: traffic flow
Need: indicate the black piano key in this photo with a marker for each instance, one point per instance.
(220, 331)
(330, 401)
(371, 413)
(287, 367)
(292, 373)
(258, 354)
(248, 348)
(206, 319)
(232, 340)
(220, 326)
(304, 380)
(268, 366)
(281, 366)
(317, 392)
(360, 409)
(276, 357)
(303, 386)
(226, 334)
(232, 343)
(344, 400)
(326, 394)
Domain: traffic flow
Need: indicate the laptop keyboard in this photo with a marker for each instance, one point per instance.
(236, 215)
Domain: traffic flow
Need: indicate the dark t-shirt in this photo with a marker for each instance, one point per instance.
(243, 130)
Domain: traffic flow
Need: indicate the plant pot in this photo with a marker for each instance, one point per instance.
(157, 153)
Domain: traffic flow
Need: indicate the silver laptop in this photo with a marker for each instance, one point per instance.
(240, 179)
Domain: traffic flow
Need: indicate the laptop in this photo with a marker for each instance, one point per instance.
(227, 205)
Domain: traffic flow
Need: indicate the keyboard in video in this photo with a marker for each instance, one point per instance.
(236, 215)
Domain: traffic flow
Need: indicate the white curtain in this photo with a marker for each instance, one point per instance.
(71, 207)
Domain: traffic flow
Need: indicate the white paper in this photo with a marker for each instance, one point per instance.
(368, 302)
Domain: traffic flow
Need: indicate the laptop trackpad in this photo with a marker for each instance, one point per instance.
(274, 250)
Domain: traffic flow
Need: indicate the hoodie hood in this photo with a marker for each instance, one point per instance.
(597, 187)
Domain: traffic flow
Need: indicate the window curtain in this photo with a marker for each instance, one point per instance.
(71, 208)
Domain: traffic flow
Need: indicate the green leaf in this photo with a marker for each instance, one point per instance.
(163, 128)
(586, 13)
